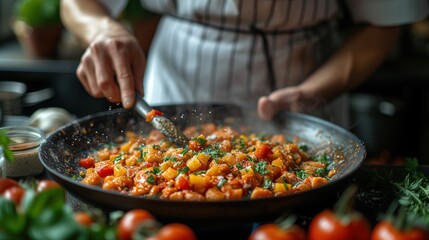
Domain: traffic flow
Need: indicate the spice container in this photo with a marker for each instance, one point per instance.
(24, 143)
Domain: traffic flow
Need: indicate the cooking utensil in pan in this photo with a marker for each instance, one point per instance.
(61, 150)
(161, 123)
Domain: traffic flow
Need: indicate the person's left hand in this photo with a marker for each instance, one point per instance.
(293, 99)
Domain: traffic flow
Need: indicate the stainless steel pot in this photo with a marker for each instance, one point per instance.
(14, 96)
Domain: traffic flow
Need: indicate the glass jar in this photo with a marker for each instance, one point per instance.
(24, 144)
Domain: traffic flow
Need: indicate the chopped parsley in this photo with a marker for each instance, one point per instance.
(185, 150)
(221, 182)
(200, 140)
(321, 172)
(302, 174)
(200, 172)
(151, 179)
(260, 167)
(267, 183)
(117, 158)
(239, 166)
(214, 153)
(183, 170)
(156, 170)
(143, 156)
(323, 158)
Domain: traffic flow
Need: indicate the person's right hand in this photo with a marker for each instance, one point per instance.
(112, 67)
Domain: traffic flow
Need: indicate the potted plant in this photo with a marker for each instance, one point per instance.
(37, 26)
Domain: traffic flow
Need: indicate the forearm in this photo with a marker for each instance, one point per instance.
(355, 61)
(88, 19)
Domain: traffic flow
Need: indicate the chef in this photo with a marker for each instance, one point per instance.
(270, 55)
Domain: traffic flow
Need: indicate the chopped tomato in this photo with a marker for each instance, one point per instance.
(182, 183)
(263, 151)
(152, 114)
(105, 171)
(88, 162)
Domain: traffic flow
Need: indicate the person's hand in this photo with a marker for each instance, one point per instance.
(291, 98)
(113, 67)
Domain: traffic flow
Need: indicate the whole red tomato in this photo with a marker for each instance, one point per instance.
(15, 194)
(341, 223)
(46, 184)
(327, 226)
(384, 230)
(272, 231)
(129, 222)
(6, 183)
(175, 231)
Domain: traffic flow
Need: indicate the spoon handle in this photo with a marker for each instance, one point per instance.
(161, 123)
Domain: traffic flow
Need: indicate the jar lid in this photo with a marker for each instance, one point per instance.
(23, 137)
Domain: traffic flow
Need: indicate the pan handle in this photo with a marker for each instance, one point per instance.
(33, 98)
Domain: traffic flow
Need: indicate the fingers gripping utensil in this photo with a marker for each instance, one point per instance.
(161, 123)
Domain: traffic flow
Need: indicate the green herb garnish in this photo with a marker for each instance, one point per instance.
(260, 168)
(4, 143)
(221, 182)
(151, 179)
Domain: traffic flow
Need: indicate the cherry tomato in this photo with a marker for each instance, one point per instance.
(15, 194)
(105, 171)
(6, 183)
(384, 230)
(175, 231)
(46, 184)
(182, 183)
(83, 218)
(129, 222)
(88, 162)
(272, 231)
(152, 114)
(327, 226)
(263, 151)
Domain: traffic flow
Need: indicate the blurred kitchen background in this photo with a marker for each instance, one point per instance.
(389, 112)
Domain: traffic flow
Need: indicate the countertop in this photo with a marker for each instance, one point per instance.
(373, 198)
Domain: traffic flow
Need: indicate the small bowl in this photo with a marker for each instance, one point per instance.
(24, 143)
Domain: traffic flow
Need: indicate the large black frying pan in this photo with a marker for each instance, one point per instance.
(60, 153)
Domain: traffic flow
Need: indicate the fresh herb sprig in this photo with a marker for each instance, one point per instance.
(413, 191)
(4, 143)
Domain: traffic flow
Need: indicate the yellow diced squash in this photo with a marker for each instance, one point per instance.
(119, 170)
(278, 163)
(282, 187)
(204, 158)
(197, 180)
(214, 171)
(194, 164)
(169, 174)
(247, 171)
(125, 147)
(165, 165)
